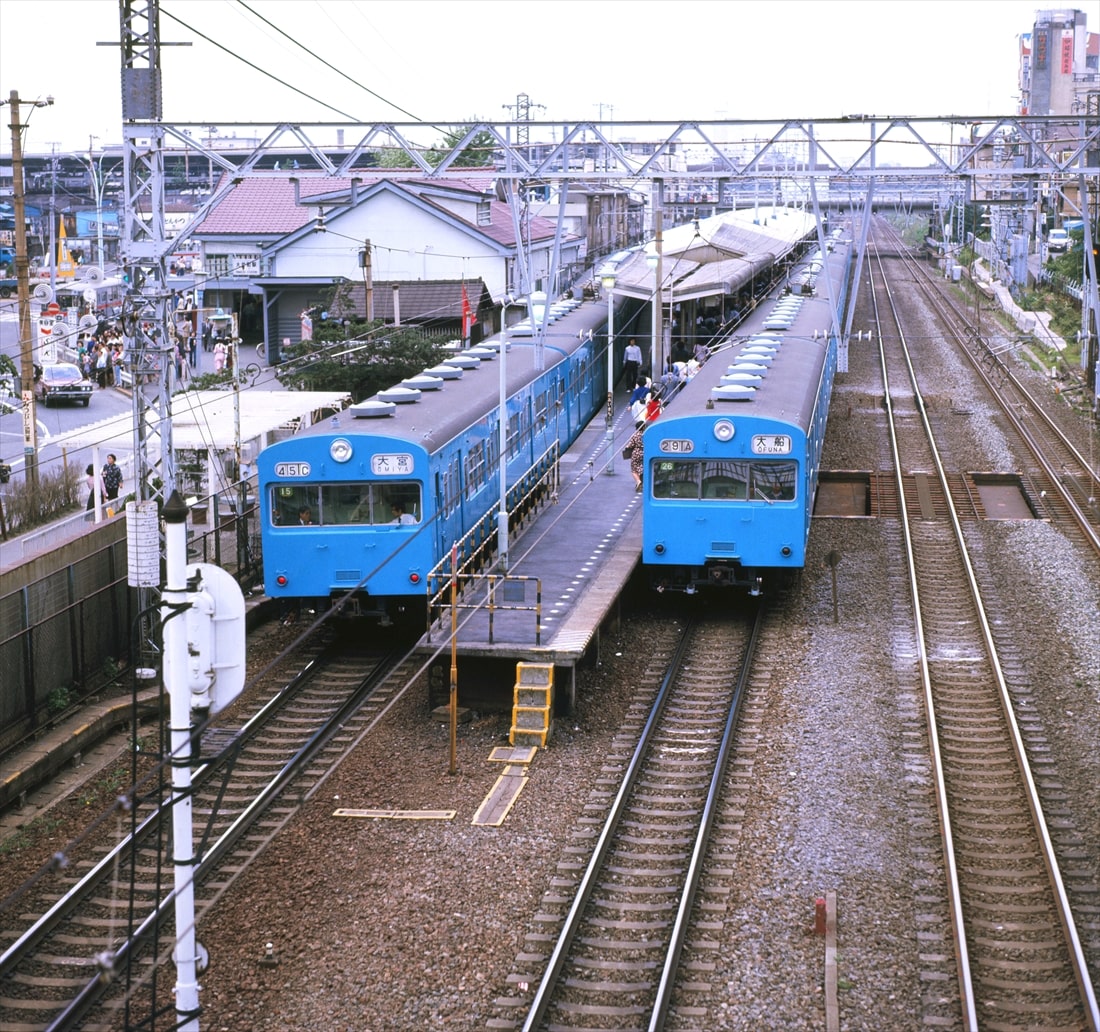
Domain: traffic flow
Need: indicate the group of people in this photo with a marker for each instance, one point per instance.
(645, 407)
(645, 395)
(110, 481)
(101, 357)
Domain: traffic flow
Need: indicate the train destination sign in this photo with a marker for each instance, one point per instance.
(771, 444)
(386, 465)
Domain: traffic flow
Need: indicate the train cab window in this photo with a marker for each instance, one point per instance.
(725, 480)
(373, 503)
(344, 504)
(290, 506)
(675, 479)
(773, 481)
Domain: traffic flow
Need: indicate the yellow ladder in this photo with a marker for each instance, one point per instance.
(532, 706)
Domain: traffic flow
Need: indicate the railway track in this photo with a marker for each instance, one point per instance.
(87, 946)
(1061, 483)
(631, 901)
(1019, 961)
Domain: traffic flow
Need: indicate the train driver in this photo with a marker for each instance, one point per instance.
(400, 516)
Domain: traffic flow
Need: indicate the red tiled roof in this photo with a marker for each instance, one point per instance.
(264, 205)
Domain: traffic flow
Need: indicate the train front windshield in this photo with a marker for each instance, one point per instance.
(292, 505)
(725, 480)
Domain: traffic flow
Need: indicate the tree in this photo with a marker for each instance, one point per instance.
(478, 153)
(349, 354)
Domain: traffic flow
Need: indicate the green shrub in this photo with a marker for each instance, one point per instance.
(59, 700)
(57, 493)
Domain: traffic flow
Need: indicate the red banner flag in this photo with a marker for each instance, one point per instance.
(468, 318)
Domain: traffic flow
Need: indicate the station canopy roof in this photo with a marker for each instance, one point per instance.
(711, 256)
(206, 419)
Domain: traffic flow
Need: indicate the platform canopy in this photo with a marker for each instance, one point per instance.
(205, 420)
(711, 256)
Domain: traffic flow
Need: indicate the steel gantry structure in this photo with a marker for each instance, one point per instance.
(858, 161)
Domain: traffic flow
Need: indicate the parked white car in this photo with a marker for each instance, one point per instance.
(1058, 240)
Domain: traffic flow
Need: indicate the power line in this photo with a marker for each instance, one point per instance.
(255, 67)
(298, 43)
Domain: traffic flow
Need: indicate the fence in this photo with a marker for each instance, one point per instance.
(66, 628)
(62, 636)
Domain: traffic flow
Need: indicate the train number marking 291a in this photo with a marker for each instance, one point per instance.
(771, 444)
(673, 446)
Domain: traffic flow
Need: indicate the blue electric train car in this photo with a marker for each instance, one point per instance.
(364, 506)
(731, 467)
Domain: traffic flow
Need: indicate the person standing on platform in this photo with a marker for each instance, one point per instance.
(632, 363)
(112, 479)
(634, 450)
(89, 479)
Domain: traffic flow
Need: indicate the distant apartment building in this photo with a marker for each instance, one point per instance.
(1060, 66)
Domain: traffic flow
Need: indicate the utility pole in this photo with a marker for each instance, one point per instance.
(23, 288)
(368, 280)
(53, 218)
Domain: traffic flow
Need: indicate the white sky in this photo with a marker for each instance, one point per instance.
(443, 60)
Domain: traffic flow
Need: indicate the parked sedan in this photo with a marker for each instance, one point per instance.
(64, 382)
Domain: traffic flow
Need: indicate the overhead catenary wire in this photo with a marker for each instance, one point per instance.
(327, 64)
(255, 67)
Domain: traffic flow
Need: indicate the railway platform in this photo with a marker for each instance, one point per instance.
(567, 567)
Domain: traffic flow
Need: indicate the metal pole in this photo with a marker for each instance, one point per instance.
(53, 218)
(23, 292)
(97, 185)
(502, 515)
(175, 632)
(609, 417)
(453, 700)
(656, 364)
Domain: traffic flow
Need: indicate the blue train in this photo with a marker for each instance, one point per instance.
(363, 507)
(731, 467)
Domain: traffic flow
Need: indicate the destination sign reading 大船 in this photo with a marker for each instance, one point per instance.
(771, 444)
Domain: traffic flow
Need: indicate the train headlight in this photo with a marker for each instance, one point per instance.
(340, 449)
(723, 430)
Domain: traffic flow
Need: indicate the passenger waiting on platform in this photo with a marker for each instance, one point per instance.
(112, 478)
(632, 363)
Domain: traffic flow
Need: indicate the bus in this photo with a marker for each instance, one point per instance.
(81, 297)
